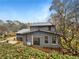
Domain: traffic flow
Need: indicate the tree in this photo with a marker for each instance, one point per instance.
(64, 13)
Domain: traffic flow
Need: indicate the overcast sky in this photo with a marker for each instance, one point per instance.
(24, 10)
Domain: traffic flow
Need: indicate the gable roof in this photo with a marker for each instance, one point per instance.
(28, 32)
(42, 24)
(23, 31)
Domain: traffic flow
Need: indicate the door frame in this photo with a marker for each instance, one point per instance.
(37, 38)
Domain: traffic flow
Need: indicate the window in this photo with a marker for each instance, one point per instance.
(54, 40)
(36, 41)
(49, 28)
(46, 39)
(19, 38)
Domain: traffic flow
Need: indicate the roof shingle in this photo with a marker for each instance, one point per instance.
(41, 24)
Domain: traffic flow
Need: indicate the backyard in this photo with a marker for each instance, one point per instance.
(39, 29)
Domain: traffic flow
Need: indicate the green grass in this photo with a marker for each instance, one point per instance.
(8, 51)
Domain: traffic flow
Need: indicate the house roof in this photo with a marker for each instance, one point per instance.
(23, 31)
(41, 24)
(28, 32)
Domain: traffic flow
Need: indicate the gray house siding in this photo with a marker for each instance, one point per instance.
(38, 28)
(52, 28)
(46, 28)
(37, 33)
(41, 35)
(23, 37)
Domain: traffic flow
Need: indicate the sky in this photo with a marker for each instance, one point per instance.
(25, 10)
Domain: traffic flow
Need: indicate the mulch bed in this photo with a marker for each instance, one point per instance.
(51, 49)
(46, 49)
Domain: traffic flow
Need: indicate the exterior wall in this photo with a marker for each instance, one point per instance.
(21, 36)
(41, 35)
(17, 36)
(29, 39)
(24, 39)
(52, 28)
(38, 28)
(42, 28)
(42, 39)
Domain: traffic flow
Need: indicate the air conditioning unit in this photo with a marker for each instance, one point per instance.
(29, 43)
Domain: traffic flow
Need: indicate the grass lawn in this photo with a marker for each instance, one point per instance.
(8, 51)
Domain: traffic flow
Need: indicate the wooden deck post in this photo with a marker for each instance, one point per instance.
(32, 39)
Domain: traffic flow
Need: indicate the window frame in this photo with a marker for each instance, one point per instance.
(20, 38)
(49, 28)
(54, 37)
(46, 39)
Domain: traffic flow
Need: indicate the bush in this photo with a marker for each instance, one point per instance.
(8, 51)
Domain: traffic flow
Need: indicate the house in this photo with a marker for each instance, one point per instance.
(41, 34)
